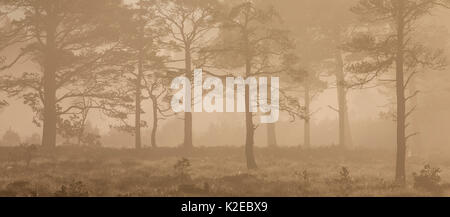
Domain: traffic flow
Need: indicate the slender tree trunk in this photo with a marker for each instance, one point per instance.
(271, 131)
(345, 138)
(50, 68)
(137, 126)
(401, 140)
(155, 121)
(82, 129)
(80, 135)
(249, 126)
(307, 124)
(188, 115)
(415, 147)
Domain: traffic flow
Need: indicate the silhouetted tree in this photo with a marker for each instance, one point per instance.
(159, 94)
(312, 86)
(250, 38)
(394, 47)
(67, 40)
(136, 62)
(190, 24)
(319, 31)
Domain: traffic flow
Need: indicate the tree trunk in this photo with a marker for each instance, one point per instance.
(249, 127)
(82, 129)
(400, 90)
(50, 68)
(345, 138)
(155, 121)
(415, 147)
(271, 133)
(137, 126)
(188, 115)
(307, 124)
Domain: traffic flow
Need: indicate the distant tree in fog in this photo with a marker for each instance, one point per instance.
(138, 64)
(34, 139)
(11, 138)
(250, 39)
(320, 30)
(190, 24)
(305, 70)
(312, 86)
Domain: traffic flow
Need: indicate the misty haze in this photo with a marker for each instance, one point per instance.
(87, 98)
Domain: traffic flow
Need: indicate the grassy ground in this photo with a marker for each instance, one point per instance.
(71, 171)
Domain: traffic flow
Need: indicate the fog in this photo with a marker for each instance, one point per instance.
(365, 105)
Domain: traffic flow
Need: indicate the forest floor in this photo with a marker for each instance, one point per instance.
(221, 171)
